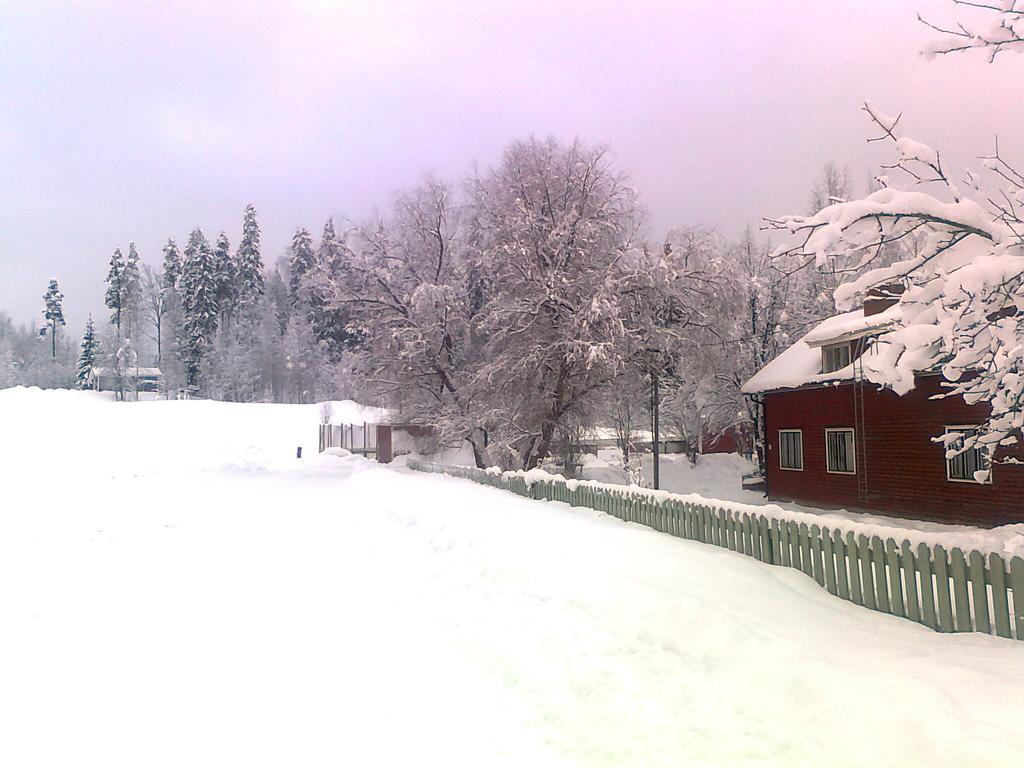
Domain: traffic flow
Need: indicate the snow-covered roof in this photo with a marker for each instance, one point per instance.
(801, 363)
(850, 325)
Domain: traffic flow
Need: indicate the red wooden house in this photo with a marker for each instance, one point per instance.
(834, 439)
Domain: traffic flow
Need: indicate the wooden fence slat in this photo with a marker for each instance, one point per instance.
(776, 539)
(866, 581)
(881, 583)
(766, 541)
(958, 567)
(1017, 585)
(755, 537)
(892, 560)
(805, 550)
(926, 567)
(794, 546)
(730, 531)
(816, 560)
(909, 568)
(1000, 601)
(979, 592)
(853, 558)
(830, 561)
(784, 548)
(839, 551)
(945, 607)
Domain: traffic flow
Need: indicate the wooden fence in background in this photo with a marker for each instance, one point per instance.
(949, 591)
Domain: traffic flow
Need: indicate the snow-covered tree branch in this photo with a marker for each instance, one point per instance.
(961, 285)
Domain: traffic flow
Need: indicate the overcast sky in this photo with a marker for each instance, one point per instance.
(139, 121)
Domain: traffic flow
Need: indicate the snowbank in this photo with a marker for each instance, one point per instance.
(182, 591)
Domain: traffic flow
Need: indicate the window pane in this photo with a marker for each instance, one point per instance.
(839, 451)
(790, 450)
(964, 465)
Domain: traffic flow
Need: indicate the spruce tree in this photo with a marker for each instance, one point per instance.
(115, 289)
(131, 286)
(172, 265)
(172, 344)
(249, 266)
(301, 261)
(199, 304)
(89, 356)
(331, 323)
(53, 311)
(226, 273)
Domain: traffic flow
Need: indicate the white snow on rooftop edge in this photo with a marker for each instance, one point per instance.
(801, 363)
(851, 325)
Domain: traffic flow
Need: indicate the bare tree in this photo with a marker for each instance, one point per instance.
(1002, 32)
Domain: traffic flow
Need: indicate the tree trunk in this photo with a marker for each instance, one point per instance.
(655, 429)
(541, 446)
(478, 439)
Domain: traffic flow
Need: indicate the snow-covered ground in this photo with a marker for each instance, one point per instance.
(176, 588)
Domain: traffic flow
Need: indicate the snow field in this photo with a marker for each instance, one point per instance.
(180, 590)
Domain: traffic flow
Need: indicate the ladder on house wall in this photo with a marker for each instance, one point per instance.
(860, 437)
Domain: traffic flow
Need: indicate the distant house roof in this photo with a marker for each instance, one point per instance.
(130, 371)
(801, 363)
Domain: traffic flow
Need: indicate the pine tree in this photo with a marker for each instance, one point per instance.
(199, 304)
(331, 323)
(89, 357)
(171, 343)
(115, 289)
(53, 311)
(277, 293)
(172, 264)
(227, 275)
(131, 286)
(248, 265)
(301, 261)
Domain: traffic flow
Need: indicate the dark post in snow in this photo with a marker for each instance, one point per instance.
(655, 431)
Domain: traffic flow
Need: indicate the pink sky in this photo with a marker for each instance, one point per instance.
(123, 123)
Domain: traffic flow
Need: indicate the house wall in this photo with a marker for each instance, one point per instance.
(905, 471)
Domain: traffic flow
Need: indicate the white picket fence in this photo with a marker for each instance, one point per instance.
(949, 591)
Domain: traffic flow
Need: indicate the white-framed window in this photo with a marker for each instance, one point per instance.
(840, 454)
(971, 466)
(791, 449)
(835, 357)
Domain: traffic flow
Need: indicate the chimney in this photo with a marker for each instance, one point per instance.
(881, 297)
